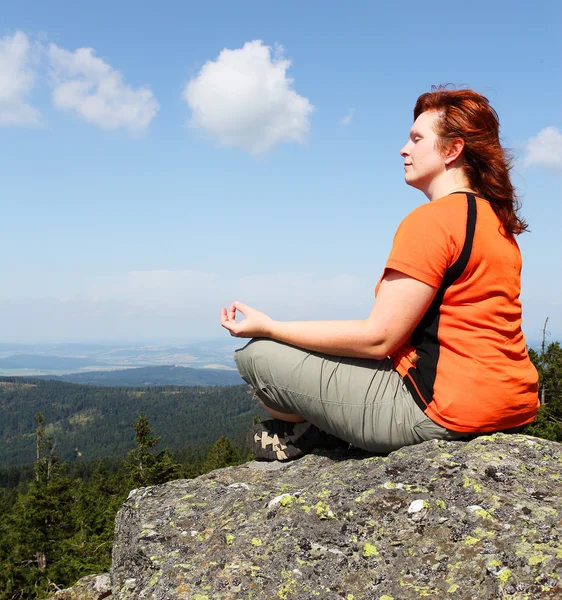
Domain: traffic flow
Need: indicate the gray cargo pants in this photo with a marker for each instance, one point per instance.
(361, 401)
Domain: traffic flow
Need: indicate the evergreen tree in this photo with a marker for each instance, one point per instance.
(144, 467)
(96, 504)
(548, 362)
(37, 525)
(191, 459)
(165, 468)
(552, 377)
(222, 454)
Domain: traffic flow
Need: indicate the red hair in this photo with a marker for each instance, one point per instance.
(468, 115)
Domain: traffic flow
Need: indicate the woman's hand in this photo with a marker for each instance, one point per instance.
(255, 323)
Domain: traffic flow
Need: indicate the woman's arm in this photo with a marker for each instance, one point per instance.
(401, 303)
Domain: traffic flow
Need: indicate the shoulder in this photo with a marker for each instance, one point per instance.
(445, 213)
(452, 205)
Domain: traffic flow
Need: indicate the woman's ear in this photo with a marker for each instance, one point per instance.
(454, 150)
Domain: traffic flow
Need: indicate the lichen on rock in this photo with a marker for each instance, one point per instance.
(92, 587)
(467, 520)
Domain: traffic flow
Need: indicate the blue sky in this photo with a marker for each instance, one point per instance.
(199, 153)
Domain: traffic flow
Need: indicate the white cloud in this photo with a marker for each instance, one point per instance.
(244, 98)
(348, 118)
(16, 81)
(546, 149)
(97, 92)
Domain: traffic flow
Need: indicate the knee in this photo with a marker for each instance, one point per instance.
(251, 360)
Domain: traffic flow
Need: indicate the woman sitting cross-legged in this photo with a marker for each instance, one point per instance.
(442, 354)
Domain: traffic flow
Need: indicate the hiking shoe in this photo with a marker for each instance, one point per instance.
(280, 440)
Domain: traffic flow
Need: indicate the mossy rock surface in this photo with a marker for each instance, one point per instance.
(92, 587)
(476, 520)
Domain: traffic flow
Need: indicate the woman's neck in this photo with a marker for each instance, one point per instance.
(451, 181)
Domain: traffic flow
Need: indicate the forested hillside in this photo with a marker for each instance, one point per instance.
(57, 520)
(90, 423)
(153, 376)
(70, 454)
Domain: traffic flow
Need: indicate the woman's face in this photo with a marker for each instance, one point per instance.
(422, 160)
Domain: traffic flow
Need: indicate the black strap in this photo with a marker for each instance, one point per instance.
(420, 379)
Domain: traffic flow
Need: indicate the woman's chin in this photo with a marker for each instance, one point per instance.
(409, 180)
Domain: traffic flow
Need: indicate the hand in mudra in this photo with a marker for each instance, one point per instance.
(254, 324)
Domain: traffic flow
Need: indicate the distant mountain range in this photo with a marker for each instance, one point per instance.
(152, 376)
(43, 362)
(63, 359)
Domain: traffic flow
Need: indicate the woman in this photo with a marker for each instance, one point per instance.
(442, 354)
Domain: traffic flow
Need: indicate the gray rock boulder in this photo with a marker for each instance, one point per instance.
(476, 520)
(92, 587)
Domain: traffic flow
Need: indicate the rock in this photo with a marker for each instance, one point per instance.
(92, 587)
(341, 525)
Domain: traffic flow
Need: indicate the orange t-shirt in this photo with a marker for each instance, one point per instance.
(466, 363)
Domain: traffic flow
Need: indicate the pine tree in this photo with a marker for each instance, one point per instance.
(144, 467)
(548, 362)
(165, 468)
(37, 525)
(222, 454)
(96, 504)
